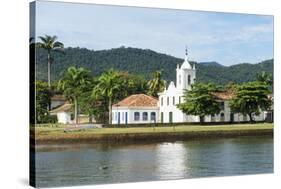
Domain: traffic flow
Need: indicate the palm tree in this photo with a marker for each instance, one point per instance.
(265, 78)
(109, 84)
(50, 43)
(73, 84)
(156, 84)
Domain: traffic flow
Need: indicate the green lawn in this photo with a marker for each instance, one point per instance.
(54, 131)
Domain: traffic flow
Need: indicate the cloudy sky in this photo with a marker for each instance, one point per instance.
(222, 37)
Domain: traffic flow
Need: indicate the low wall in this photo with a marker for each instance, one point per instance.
(174, 124)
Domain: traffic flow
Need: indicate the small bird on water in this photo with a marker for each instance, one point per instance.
(103, 167)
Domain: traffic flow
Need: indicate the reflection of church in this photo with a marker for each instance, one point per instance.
(140, 108)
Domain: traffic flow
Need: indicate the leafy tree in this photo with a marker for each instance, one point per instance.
(199, 101)
(96, 106)
(73, 84)
(42, 101)
(131, 84)
(50, 43)
(250, 98)
(88, 105)
(109, 83)
(265, 78)
(156, 84)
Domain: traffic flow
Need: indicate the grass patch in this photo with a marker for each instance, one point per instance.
(50, 133)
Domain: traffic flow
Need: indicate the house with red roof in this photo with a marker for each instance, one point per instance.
(136, 109)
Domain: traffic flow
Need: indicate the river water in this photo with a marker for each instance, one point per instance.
(80, 164)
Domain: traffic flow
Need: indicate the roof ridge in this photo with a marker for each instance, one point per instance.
(134, 100)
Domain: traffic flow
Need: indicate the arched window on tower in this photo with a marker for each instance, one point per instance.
(179, 79)
(188, 80)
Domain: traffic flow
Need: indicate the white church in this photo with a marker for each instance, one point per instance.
(141, 108)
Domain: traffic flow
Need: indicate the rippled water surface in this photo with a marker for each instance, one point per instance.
(61, 165)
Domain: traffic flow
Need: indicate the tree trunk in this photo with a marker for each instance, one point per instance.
(251, 118)
(90, 118)
(49, 104)
(49, 80)
(109, 112)
(201, 119)
(49, 70)
(76, 110)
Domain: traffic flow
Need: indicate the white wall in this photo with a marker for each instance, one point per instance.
(182, 78)
(130, 115)
(237, 116)
(165, 108)
(178, 116)
(64, 117)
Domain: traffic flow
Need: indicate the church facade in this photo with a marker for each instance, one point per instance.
(173, 95)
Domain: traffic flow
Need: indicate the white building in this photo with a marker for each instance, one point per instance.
(135, 109)
(173, 95)
(63, 113)
(142, 108)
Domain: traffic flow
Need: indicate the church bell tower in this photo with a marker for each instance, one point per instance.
(186, 74)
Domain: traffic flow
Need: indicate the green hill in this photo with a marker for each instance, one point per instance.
(143, 62)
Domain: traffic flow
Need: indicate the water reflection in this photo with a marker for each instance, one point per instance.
(171, 160)
(113, 163)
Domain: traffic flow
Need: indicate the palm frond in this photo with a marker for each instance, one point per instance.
(58, 44)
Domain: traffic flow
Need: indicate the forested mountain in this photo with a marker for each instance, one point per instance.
(237, 73)
(211, 64)
(143, 62)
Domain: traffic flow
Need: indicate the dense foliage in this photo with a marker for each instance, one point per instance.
(199, 101)
(42, 103)
(108, 86)
(73, 84)
(111, 87)
(156, 84)
(265, 78)
(143, 62)
(250, 98)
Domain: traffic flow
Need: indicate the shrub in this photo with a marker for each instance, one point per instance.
(49, 119)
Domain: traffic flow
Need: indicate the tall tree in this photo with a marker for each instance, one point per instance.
(87, 103)
(109, 83)
(131, 84)
(266, 78)
(43, 97)
(73, 84)
(250, 98)
(50, 43)
(156, 84)
(199, 101)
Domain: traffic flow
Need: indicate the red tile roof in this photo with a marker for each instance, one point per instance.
(137, 100)
(224, 95)
(58, 97)
(63, 108)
